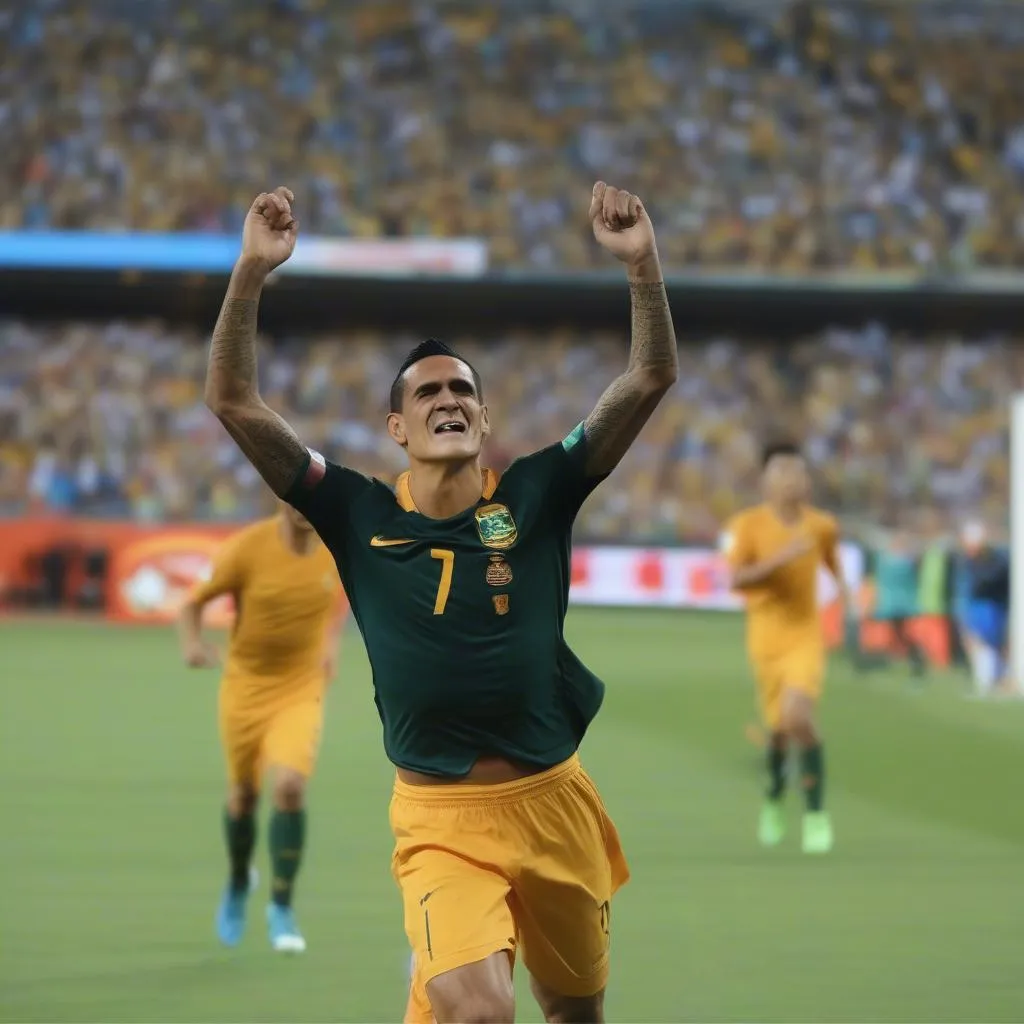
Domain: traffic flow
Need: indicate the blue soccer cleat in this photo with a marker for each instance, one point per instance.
(231, 913)
(284, 932)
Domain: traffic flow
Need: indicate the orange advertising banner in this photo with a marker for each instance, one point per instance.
(149, 577)
(150, 568)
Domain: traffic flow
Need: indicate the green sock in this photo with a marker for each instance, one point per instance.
(240, 835)
(812, 770)
(287, 835)
(776, 771)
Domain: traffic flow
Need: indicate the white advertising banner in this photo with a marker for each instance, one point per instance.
(675, 577)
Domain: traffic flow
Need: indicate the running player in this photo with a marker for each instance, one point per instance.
(774, 551)
(459, 580)
(282, 654)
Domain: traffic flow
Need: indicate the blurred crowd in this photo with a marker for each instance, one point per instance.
(907, 432)
(792, 136)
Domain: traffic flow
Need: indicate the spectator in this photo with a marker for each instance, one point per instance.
(109, 420)
(790, 137)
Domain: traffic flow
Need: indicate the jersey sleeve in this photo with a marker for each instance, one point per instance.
(324, 492)
(735, 543)
(559, 474)
(227, 574)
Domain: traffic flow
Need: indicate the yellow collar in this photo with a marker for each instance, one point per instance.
(403, 494)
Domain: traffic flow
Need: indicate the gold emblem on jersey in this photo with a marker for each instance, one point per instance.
(496, 526)
(501, 603)
(499, 572)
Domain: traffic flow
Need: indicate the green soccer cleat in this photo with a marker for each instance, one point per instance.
(771, 827)
(817, 836)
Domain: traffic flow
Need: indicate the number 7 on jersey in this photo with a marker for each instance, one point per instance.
(444, 586)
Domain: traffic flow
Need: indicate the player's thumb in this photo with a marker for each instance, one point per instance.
(596, 203)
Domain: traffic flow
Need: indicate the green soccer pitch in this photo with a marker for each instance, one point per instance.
(112, 860)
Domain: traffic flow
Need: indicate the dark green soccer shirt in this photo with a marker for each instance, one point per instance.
(463, 617)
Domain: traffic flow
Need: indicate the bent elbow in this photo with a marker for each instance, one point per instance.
(659, 378)
(227, 409)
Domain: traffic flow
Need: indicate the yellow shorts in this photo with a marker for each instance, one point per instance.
(531, 863)
(286, 735)
(801, 668)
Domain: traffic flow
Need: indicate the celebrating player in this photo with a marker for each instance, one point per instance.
(282, 654)
(774, 550)
(459, 582)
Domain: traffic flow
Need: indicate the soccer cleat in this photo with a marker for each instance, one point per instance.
(817, 836)
(231, 912)
(771, 827)
(284, 932)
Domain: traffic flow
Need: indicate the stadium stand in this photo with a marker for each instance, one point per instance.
(794, 137)
(109, 420)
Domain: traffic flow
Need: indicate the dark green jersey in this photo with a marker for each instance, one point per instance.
(462, 617)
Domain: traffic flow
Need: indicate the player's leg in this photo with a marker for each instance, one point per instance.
(771, 825)
(448, 863)
(901, 630)
(799, 721)
(290, 747)
(240, 740)
(562, 898)
(476, 993)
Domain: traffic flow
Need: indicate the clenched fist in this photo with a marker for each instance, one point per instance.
(621, 226)
(270, 229)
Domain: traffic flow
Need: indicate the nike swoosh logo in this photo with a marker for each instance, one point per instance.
(385, 542)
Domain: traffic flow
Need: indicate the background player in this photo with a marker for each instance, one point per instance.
(282, 654)
(459, 582)
(774, 551)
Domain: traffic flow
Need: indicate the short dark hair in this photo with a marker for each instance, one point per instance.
(424, 350)
(774, 448)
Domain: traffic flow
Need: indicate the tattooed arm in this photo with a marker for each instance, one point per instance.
(622, 226)
(232, 389)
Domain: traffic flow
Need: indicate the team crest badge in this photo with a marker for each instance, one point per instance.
(499, 572)
(501, 603)
(496, 526)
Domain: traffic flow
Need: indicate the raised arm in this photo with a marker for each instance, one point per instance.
(621, 226)
(232, 386)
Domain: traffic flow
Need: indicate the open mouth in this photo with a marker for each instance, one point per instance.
(450, 427)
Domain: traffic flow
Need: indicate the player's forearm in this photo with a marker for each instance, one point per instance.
(653, 367)
(190, 624)
(753, 575)
(231, 372)
(232, 385)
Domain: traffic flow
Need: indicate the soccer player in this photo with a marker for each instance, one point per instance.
(987, 610)
(282, 654)
(459, 580)
(774, 551)
(896, 572)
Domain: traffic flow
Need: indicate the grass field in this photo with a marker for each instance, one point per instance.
(112, 859)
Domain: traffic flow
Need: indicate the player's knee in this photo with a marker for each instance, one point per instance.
(289, 791)
(798, 718)
(559, 1009)
(242, 799)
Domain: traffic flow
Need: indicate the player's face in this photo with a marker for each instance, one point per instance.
(786, 479)
(442, 418)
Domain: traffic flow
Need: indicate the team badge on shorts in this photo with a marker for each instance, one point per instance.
(501, 604)
(496, 526)
(499, 572)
